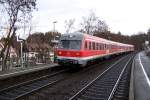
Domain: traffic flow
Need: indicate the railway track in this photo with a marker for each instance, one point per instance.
(22, 90)
(72, 83)
(19, 90)
(108, 85)
(122, 91)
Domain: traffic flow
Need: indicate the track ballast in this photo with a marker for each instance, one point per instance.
(105, 85)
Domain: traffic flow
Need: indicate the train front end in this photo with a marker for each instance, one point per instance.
(69, 49)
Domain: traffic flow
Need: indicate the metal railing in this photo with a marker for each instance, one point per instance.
(15, 62)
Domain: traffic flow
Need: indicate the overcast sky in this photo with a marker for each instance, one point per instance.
(127, 16)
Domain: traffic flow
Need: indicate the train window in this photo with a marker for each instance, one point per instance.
(112, 46)
(93, 44)
(71, 44)
(90, 45)
(97, 46)
(109, 46)
(86, 45)
(106, 46)
(102, 46)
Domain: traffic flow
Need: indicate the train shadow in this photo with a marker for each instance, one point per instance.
(74, 69)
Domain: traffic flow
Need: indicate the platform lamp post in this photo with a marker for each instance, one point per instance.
(54, 40)
(21, 49)
(54, 29)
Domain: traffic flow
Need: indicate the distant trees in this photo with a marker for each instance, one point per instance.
(148, 35)
(15, 10)
(49, 36)
(92, 24)
(113, 36)
(88, 23)
(138, 40)
(101, 26)
(40, 37)
(36, 38)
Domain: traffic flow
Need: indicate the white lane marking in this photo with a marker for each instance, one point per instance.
(24, 71)
(147, 79)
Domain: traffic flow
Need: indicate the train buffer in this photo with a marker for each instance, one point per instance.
(140, 77)
(24, 70)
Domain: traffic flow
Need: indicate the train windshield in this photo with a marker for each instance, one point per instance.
(70, 44)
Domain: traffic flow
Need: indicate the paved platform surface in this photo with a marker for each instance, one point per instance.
(140, 78)
(24, 70)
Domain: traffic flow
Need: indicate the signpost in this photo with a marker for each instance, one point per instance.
(21, 49)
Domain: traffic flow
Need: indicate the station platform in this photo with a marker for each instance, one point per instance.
(24, 70)
(140, 78)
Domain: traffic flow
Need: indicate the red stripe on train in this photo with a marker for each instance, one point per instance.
(86, 53)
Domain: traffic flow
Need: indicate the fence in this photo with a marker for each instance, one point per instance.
(15, 62)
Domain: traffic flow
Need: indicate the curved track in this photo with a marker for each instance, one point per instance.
(105, 85)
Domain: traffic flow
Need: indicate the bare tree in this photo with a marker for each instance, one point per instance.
(16, 10)
(69, 25)
(92, 24)
(89, 23)
(101, 26)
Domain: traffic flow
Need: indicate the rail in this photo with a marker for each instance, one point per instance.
(104, 86)
(25, 88)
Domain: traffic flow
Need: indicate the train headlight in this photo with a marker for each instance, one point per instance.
(59, 52)
(77, 54)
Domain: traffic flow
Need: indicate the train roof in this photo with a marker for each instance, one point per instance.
(80, 35)
(108, 41)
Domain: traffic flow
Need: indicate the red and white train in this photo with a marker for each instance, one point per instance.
(79, 49)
